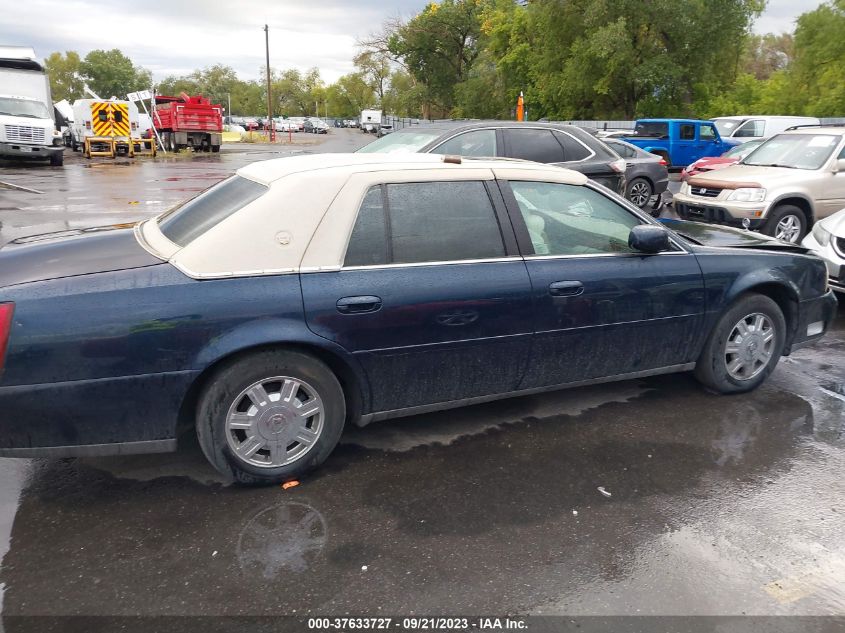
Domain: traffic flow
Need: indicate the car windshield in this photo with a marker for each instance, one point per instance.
(726, 127)
(741, 151)
(795, 151)
(24, 107)
(401, 142)
(184, 223)
(654, 129)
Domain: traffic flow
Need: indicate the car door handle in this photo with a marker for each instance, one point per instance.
(358, 305)
(566, 288)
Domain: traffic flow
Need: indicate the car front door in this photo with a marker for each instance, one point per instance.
(708, 145)
(600, 308)
(433, 298)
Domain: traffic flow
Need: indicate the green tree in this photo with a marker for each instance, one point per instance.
(438, 47)
(349, 95)
(111, 73)
(64, 73)
(818, 73)
(374, 67)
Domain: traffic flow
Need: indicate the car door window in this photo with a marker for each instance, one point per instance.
(572, 220)
(534, 144)
(425, 222)
(442, 221)
(368, 245)
(750, 129)
(573, 150)
(707, 133)
(687, 132)
(475, 143)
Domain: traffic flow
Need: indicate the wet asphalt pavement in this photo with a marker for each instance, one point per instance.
(718, 505)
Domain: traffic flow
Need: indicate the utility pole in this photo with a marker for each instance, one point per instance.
(269, 97)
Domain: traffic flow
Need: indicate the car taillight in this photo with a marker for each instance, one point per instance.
(6, 312)
(618, 166)
(663, 162)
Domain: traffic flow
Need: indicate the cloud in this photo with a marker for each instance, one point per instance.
(177, 36)
(174, 37)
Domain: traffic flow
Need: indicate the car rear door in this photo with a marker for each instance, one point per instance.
(433, 298)
(600, 308)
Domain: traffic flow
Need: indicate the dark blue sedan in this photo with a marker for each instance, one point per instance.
(305, 293)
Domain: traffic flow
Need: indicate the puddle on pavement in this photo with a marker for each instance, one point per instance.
(426, 511)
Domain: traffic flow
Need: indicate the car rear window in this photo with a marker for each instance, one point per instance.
(183, 224)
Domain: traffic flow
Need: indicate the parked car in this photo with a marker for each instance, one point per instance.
(646, 174)
(782, 187)
(384, 129)
(827, 240)
(562, 145)
(712, 163)
(308, 292)
(678, 141)
(285, 125)
(315, 126)
(738, 129)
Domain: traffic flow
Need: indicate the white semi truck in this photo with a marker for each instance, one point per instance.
(27, 123)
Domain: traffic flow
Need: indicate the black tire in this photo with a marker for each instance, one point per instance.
(222, 393)
(639, 191)
(171, 143)
(57, 159)
(74, 146)
(215, 148)
(787, 215)
(712, 366)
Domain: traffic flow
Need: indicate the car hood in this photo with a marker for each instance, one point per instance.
(71, 253)
(835, 224)
(750, 176)
(726, 236)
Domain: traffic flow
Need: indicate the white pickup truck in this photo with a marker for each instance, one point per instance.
(27, 126)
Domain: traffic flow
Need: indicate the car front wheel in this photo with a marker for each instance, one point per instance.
(744, 347)
(788, 223)
(270, 417)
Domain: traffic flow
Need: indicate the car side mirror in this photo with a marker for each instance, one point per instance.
(839, 165)
(648, 238)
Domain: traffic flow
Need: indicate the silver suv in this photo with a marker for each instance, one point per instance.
(781, 188)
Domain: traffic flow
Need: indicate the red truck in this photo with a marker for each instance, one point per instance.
(186, 121)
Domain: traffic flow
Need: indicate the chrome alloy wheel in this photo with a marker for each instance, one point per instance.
(788, 229)
(639, 194)
(750, 346)
(275, 421)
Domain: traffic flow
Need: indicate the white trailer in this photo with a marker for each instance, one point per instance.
(370, 121)
(27, 123)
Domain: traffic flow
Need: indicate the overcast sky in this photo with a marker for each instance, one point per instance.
(177, 36)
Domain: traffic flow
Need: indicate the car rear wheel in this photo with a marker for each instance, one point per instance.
(788, 223)
(270, 417)
(639, 192)
(744, 347)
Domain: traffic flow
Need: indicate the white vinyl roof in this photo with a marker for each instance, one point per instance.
(304, 220)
